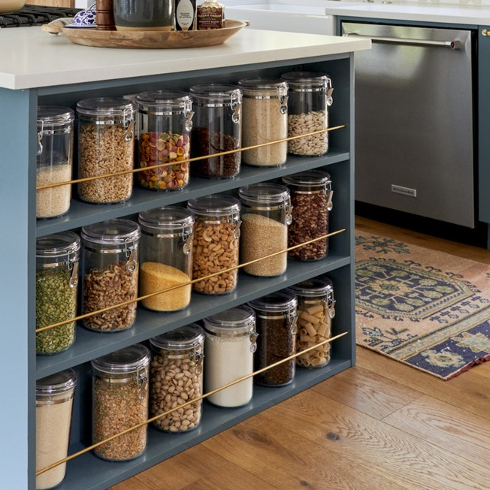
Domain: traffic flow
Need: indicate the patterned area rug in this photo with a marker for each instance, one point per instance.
(428, 309)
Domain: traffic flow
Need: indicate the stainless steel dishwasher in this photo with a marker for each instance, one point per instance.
(414, 121)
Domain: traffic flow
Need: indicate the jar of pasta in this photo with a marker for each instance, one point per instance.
(316, 309)
(166, 257)
(120, 402)
(215, 243)
(177, 378)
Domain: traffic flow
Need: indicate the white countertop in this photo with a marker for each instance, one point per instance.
(31, 57)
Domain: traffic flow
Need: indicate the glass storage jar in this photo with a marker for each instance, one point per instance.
(275, 316)
(105, 146)
(166, 257)
(316, 309)
(110, 273)
(54, 160)
(310, 96)
(164, 124)
(311, 198)
(229, 346)
(177, 378)
(265, 119)
(54, 401)
(120, 401)
(266, 214)
(57, 258)
(217, 128)
(215, 242)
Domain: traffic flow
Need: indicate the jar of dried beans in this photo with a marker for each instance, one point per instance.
(110, 274)
(54, 401)
(166, 257)
(310, 96)
(215, 243)
(276, 328)
(57, 259)
(266, 214)
(311, 197)
(265, 120)
(105, 146)
(176, 378)
(54, 160)
(230, 345)
(120, 402)
(164, 124)
(316, 309)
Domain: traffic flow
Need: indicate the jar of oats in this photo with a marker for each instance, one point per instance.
(265, 120)
(120, 401)
(105, 146)
(215, 243)
(310, 96)
(110, 274)
(166, 257)
(266, 214)
(176, 377)
(311, 197)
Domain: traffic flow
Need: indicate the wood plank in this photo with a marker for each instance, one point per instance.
(130, 484)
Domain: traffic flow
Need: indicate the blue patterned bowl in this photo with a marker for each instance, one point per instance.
(85, 18)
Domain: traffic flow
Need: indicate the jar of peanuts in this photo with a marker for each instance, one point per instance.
(316, 309)
(310, 96)
(311, 198)
(164, 124)
(176, 378)
(215, 243)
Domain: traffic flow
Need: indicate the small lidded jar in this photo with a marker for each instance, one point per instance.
(120, 401)
(310, 96)
(275, 315)
(54, 160)
(177, 378)
(110, 273)
(311, 197)
(166, 257)
(164, 124)
(230, 345)
(215, 242)
(266, 214)
(105, 146)
(265, 119)
(217, 128)
(54, 402)
(57, 258)
(316, 309)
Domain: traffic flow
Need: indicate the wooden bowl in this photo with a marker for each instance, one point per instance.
(11, 6)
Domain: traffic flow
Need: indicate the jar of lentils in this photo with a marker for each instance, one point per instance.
(311, 198)
(57, 258)
(120, 401)
(177, 378)
(110, 274)
(164, 124)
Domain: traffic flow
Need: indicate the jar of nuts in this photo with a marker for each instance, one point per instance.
(164, 124)
(266, 214)
(176, 378)
(110, 274)
(217, 128)
(311, 197)
(310, 96)
(316, 309)
(105, 146)
(120, 402)
(275, 315)
(215, 243)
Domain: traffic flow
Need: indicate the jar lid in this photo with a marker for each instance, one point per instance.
(214, 205)
(58, 244)
(264, 193)
(56, 384)
(235, 320)
(105, 106)
(127, 360)
(167, 218)
(50, 115)
(279, 301)
(271, 85)
(180, 339)
(318, 286)
(215, 93)
(158, 99)
(309, 177)
(112, 232)
(310, 79)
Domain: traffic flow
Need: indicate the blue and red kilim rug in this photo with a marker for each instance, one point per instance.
(425, 308)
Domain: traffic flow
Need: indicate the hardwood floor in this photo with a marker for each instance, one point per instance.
(380, 425)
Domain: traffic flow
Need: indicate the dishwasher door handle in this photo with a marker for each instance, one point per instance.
(410, 42)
